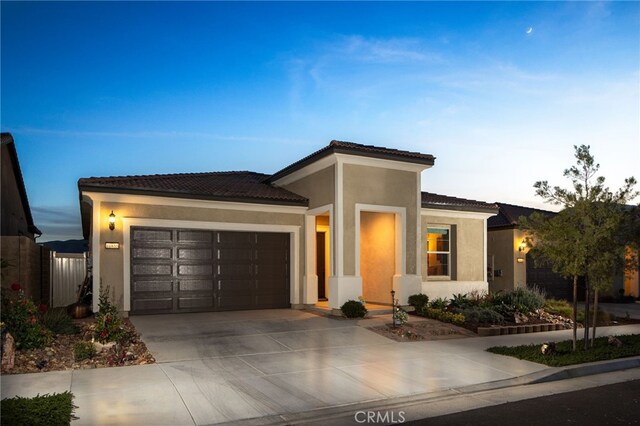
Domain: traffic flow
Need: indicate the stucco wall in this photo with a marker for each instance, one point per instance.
(468, 248)
(318, 187)
(503, 246)
(384, 187)
(377, 256)
(112, 261)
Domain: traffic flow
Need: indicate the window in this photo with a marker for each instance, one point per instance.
(438, 251)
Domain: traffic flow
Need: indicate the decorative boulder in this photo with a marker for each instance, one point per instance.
(548, 348)
(614, 341)
(8, 352)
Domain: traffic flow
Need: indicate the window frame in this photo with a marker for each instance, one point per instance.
(448, 253)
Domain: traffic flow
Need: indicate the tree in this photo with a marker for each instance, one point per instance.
(586, 239)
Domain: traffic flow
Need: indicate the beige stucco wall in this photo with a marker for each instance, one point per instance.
(503, 245)
(469, 247)
(112, 261)
(377, 256)
(318, 187)
(384, 187)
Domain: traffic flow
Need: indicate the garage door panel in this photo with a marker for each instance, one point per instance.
(199, 269)
(235, 239)
(144, 286)
(196, 285)
(195, 236)
(182, 270)
(235, 254)
(152, 269)
(235, 270)
(152, 235)
(152, 253)
(195, 254)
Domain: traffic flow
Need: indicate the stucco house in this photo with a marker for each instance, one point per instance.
(511, 264)
(349, 220)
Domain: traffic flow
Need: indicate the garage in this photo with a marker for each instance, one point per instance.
(190, 270)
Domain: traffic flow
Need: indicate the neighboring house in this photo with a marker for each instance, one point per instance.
(511, 264)
(28, 262)
(347, 221)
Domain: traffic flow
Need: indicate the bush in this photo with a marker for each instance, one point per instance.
(444, 316)
(108, 322)
(83, 350)
(55, 409)
(418, 300)
(20, 317)
(438, 303)
(478, 315)
(525, 299)
(400, 316)
(558, 307)
(58, 321)
(353, 309)
(460, 300)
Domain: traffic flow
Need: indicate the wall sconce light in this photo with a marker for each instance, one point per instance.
(112, 221)
(521, 260)
(522, 246)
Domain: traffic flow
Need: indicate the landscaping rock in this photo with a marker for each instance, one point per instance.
(8, 352)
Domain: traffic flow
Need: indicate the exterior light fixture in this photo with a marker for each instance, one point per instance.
(112, 221)
(522, 246)
(521, 260)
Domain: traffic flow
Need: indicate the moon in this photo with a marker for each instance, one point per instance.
(529, 31)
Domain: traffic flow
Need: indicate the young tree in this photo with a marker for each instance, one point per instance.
(585, 238)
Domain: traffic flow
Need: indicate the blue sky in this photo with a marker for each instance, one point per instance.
(498, 92)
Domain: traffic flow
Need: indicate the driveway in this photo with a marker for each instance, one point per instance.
(230, 366)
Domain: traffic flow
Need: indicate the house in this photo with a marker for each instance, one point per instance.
(347, 221)
(27, 262)
(511, 264)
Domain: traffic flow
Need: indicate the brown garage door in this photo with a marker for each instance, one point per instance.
(186, 270)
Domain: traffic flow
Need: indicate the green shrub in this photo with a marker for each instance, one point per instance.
(353, 309)
(558, 307)
(444, 316)
(525, 299)
(400, 316)
(460, 300)
(20, 317)
(108, 322)
(83, 350)
(418, 300)
(58, 321)
(479, 315)
(45, 410)
(438, 303)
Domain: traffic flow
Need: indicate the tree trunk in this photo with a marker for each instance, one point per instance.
(586, 315)
(575, 311)
(595, 315)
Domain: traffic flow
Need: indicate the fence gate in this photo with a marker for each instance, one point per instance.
(68, 271)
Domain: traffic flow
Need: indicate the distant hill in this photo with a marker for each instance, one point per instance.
(68, 246)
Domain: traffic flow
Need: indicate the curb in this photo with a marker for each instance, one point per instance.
(544, 376)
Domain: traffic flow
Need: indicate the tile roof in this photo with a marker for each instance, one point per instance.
(7, 139)
(356, 149)
(224, 186)
(438, 201)
(509, 215)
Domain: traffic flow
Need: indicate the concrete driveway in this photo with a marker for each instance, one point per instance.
(227, 367)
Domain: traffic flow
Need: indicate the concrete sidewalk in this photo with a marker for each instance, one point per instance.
(261, 388)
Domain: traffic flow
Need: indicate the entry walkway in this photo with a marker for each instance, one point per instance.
(294, 363)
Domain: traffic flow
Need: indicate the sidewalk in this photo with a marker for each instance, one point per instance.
(283, 386)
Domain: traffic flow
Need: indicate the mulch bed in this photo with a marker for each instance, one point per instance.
(426, 329)
(59, 354)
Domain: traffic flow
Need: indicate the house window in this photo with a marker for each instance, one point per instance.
(438, 251)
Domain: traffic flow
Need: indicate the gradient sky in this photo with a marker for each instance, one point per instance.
(498, 92)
